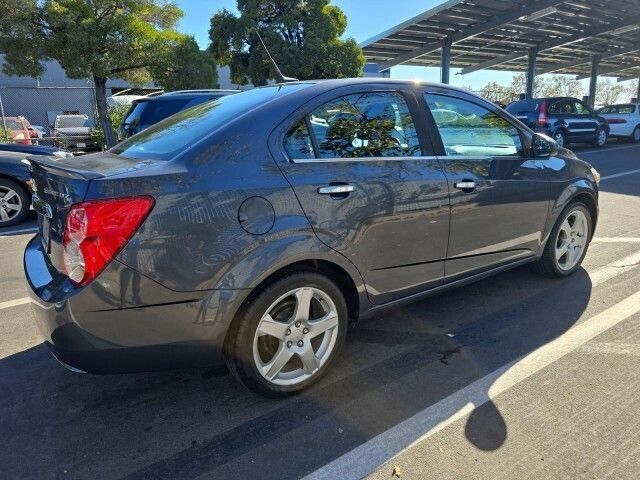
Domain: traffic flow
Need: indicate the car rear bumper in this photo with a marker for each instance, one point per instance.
(125, 322)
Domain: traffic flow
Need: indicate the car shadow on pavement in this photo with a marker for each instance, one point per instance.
(185, 424)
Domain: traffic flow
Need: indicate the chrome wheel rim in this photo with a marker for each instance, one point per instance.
(636, 134)
(559, 138)
(602, 137)
(10, 204)
(572, 240)
(296, 336)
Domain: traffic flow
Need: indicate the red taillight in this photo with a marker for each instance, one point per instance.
(613, 121)
(542, 115)
(96, 231)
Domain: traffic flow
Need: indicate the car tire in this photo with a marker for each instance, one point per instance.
(635, 136)
(300, 347)
(560, 138)
(601, 138)
(14, 202)
(564, 252)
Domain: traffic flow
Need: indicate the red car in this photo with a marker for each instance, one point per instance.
(19, 128)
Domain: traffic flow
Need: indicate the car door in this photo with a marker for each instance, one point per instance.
(370, 189)
(584, 123)
(499, 199)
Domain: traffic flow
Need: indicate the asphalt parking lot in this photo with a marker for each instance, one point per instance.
(513, 377)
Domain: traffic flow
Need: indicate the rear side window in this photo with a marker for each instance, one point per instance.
(468, 129)
(297, 143)
(561, 106)
(372, 124)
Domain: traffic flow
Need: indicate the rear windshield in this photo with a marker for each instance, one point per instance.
(160, 109)
(523, 106)
(73, 122)
(166, 139)
(627, 108)
(10, 124)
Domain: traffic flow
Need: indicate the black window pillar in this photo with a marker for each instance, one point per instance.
(593, 82)
(445, 59)
(531, 71)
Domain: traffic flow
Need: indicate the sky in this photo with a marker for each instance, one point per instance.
(366, 18)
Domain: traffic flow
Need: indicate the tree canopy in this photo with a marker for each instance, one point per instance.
(303, 36)
(134, 40)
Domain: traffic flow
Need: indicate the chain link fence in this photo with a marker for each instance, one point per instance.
(63, 117)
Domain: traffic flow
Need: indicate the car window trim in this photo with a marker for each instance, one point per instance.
(399, 89)
(524, 145)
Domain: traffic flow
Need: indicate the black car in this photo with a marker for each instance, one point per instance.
(254, 228)
(15, 194)
(147, 111)
(565, 119)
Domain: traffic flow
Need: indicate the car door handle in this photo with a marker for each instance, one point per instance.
(336, 189)
(465, 186)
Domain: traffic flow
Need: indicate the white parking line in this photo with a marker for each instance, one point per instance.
(364, 459)
(621, 174)
(616, 239)
(15, 303)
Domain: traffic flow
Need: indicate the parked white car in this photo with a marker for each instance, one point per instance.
(623, 120)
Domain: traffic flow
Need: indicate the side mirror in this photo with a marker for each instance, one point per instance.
(543, 146)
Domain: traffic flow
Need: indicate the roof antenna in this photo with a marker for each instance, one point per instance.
(281, 78)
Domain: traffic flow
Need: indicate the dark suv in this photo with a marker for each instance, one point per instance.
(255, 228)
(145, 112)
(565, 119)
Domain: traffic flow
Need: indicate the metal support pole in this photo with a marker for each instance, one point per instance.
(445, 59)
(531, 71)
(593, 82)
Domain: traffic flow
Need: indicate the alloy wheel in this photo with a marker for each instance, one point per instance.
(572, 240)
(636, 135)
(296, 336)
(559, 139)
(602, 138)
(10, 204)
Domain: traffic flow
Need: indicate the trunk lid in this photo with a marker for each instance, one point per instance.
(59, 183)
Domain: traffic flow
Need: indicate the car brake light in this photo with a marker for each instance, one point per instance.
(612, 121)
(542, 116)
(96, 231)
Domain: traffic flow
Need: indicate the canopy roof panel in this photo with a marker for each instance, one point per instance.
(498, 34)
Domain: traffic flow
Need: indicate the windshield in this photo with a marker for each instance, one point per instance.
(171, 136)
(73, 122)
(10, 124)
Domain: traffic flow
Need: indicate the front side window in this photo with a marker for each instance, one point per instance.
(467, 129)
(582, 109)
(373, 124)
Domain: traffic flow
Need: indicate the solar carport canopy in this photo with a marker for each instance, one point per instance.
(564, 36)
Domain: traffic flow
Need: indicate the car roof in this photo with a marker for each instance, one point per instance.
(187, 95)
(329, 84)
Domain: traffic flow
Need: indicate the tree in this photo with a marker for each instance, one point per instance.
(302, 35)
(608, 92)
(183, 66)
(560, 86)
(99, 39)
